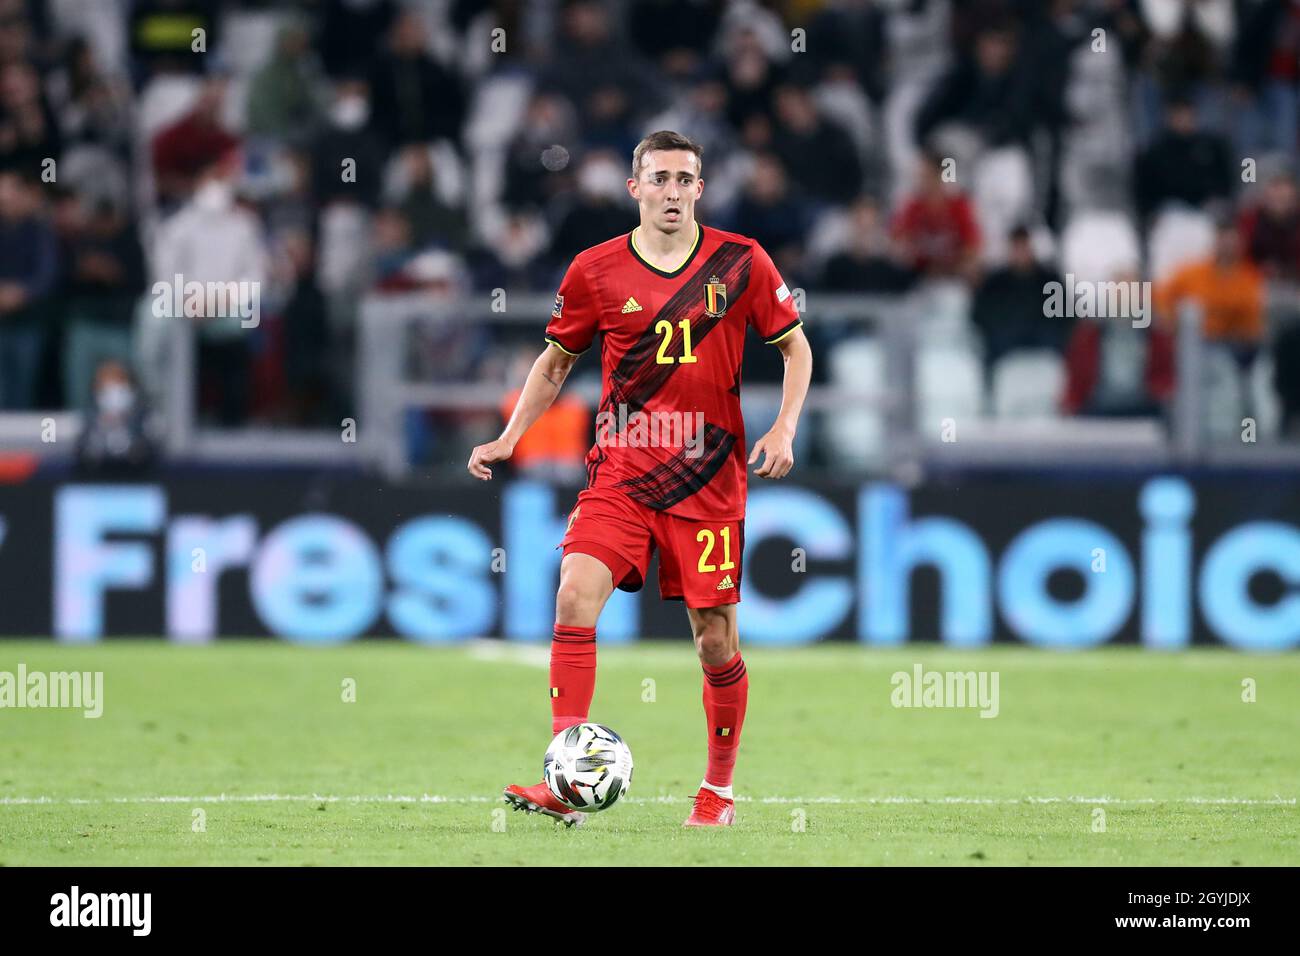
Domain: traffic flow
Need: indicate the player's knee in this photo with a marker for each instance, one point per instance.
(716, 639)
(576, 602)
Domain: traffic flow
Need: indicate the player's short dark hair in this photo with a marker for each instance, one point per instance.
(664, 139)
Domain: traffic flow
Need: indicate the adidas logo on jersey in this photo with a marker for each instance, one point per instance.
(631, 305)
(726, 583)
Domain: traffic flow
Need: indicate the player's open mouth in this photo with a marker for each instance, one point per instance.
(672, 212)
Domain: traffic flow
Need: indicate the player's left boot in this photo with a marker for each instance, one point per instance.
(539, 799)
(711, 810)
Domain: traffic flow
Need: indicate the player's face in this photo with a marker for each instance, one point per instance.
(667, 188)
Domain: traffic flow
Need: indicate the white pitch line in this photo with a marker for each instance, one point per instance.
(530, 655)
(436, 798)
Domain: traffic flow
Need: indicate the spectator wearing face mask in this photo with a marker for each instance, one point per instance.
(215, 242)
(114, 438)
(347, 158)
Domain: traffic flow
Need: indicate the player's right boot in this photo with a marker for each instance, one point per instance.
(539, 799)
(711, 810)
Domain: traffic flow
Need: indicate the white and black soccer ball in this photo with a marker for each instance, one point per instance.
(588, 767)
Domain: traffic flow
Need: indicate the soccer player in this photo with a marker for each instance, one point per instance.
(673, 300)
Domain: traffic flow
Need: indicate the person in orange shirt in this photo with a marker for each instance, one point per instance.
(1228, 288)
(556, 446)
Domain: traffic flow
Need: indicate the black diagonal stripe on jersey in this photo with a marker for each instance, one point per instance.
(638, 376)
(677, 479)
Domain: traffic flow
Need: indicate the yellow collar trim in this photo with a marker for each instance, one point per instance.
(699, 235)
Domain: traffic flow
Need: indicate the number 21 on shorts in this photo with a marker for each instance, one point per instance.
(707, 538)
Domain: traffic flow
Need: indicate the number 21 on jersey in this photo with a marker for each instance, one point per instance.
(665, 328)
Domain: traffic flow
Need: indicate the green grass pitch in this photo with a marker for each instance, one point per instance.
(257, 736)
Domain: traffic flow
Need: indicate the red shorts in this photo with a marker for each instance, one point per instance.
(699, 559)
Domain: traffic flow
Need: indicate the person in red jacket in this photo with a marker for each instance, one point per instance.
(936, 225)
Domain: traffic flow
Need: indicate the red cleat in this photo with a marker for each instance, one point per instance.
(711, 810)
(539, 799)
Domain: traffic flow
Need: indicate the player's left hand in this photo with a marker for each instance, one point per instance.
(777, 447)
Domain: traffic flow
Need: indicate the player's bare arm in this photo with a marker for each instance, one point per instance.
(777, 446)
(540, 388)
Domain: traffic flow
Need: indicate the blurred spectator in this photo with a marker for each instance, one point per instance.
(871, 263)
(433, 222)
(1286, 379)
(853, 33)
(183, 150)
(92, 107)
(114, 439)
(29, 134)
(820, 156)
(103, 279)
(283, 96)
(211, 240)
(415, 99)
(556, 446)
(936, 224)
(308, 345)
(990, 94)
(163, 38)
(1184, 164)
(676, 34)
(536, 160)
(1009, 307)
(1271, 229)
(1190, 40)
(599, 74)
(1227, 288)
(769, 212)
(1266, 68)
(1114, 369)
(394, 248)
(348, 158)
(751, 79)
(16, 32)
(352, 34)
(602, 209)
(29, 263)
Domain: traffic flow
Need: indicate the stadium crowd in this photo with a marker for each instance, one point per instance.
(338, 149)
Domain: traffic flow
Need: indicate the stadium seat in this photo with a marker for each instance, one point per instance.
(248, 39)
(943, 316)
(856, 435)
(1096, 246)
(1027, 384)
(1265, 405)
(949, 384)
(1178, 236)
(1003, 194)
(1223, 398)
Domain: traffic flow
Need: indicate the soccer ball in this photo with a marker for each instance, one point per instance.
(587, 767)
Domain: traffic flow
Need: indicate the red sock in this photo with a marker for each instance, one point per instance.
(726, 690)
(573, 675)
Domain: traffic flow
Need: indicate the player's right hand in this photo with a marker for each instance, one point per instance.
(484, 455)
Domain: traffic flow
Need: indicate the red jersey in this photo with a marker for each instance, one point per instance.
(669, 432)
